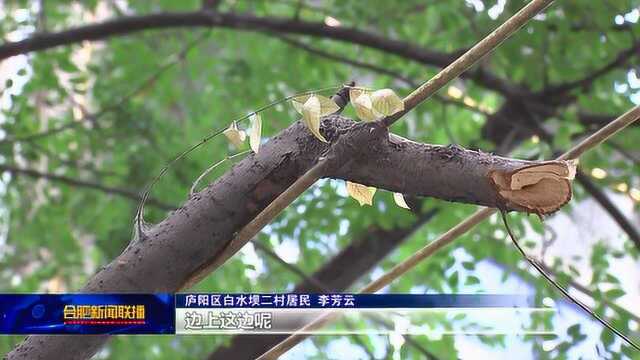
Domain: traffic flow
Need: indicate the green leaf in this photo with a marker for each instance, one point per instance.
(472, 280)
(614, 293)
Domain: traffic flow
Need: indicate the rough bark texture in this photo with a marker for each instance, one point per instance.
(445, 172)
(336, 275)
(169, 253)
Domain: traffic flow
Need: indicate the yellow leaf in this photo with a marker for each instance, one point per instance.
(327, 106)
(399, 199)
(235, 136)
(256, 132)
(361, 101)
(386, 102)
(311, 116)
(362, 194)
(298, 102)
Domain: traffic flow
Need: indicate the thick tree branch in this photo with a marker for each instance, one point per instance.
(129, 194)
(189, 238)
(408, 166)
(593, 190)
(621, 59)
(204, 18)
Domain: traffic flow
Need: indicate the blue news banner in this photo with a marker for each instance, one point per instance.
(157, 313)
(87, 314)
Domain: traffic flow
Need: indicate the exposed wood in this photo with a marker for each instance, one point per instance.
(541, 189)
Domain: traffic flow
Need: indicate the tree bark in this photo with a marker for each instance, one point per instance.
(167, 255)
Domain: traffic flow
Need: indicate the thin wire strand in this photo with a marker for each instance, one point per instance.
(533, 262)
(206, 172)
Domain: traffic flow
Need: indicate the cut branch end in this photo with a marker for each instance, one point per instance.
(542, 188)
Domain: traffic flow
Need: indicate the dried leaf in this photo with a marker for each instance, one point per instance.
(327, 106)
(298, 102)
(235, 136)
(399, 199)
(311, 116)
(361, 101)
(256, 132)
(386, 102)
(361, 193)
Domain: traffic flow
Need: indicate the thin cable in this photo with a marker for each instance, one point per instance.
(206, 172)
(533, 262)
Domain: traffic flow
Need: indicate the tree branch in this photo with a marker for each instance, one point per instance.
(203, 18)
(596, 193)
(129, 194)
(621, 59)
(164, 262)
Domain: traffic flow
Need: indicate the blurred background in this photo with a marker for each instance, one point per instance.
(83, 128)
